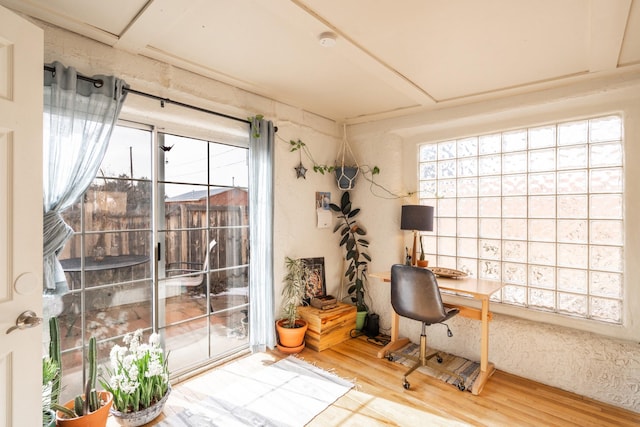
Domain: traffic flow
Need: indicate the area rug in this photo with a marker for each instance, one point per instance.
(290, 392)
(465, 368)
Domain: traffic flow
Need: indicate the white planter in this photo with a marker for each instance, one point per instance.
(134, 419)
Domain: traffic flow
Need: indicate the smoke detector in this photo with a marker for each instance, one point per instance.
(327, 39)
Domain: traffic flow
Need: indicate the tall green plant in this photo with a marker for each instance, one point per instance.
(293, 290)
(51, 373)
(49, 378)
(354, 244)
(55, 354)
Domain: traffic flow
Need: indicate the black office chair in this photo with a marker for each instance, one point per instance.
(415, 295)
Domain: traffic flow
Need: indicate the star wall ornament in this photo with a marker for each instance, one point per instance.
(301, 171)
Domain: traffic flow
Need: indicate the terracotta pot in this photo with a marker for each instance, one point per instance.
(291, 350)
(94, 419)
(423, 263)
(291, 337)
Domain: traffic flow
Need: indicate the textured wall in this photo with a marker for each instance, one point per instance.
(591, 365)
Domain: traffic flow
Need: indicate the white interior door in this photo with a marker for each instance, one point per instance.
(21, 61)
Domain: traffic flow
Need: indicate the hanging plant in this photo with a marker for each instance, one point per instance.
(366, 171)
(351, 170)
(346, 174)
(300, 146)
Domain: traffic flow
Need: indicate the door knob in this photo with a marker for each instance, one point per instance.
(27, 319)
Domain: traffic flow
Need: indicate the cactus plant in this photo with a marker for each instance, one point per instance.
(55, 355)
(91, 398)
(89, 402)
(51, 374)
(78, 406)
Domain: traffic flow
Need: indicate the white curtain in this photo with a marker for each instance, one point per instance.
(79, 116)
(261, 303)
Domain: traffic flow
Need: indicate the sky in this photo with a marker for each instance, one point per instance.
(185, 160)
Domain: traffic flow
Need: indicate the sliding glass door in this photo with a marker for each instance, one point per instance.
(203, 287)
(160, 242)
(108, 261)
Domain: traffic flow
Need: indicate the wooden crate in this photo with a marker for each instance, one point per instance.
(328, 327)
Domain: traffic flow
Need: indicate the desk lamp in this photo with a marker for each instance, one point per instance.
(416, 218)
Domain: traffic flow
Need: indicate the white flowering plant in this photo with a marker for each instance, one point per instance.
(139, 374)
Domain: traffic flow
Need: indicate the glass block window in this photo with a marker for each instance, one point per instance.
(539, 208)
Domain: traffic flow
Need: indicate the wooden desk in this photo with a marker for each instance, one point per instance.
(479, 289)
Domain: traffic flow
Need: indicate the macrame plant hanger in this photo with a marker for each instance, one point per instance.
(346, 176)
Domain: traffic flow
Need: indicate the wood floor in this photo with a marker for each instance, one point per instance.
(380, 400)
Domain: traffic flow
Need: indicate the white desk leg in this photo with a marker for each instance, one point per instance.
(486, 368)
(395, 342)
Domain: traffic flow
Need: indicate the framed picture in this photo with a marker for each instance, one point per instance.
(323, 199)
(315, 280)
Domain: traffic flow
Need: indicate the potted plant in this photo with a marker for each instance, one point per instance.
(300, 146)
(358, 259)
(51, 375)
(90, 409)
(138, 379)
(290, 327)
(345, 174)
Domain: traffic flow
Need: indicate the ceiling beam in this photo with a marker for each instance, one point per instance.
(607, 27)
(152, 18)
(353, 52)
(51, 15)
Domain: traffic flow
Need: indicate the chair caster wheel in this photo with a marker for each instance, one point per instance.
(461, 387)
(406, 385)
(390, 358)
(439, 359)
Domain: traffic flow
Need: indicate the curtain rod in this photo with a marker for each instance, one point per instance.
(162, 100)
